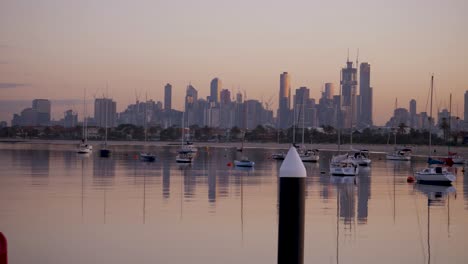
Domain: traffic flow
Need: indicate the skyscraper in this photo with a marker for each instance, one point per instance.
(284, 101)
(349, 94)
(168, 97)
(105, 112)
(466, 107)
(225, 96)
(329, 91)
(42, 107)
(412, 112)
(215, 88)
(365, 91)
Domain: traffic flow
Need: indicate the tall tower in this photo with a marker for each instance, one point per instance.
(329, 91)
(365, 91)
(284, 104)
(412, 112)
(349, 94)
(215, 88)
(168, 97)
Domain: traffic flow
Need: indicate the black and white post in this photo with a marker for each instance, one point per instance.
(292, 177)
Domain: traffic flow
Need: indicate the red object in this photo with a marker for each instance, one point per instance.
(229, 164)
(3, 249)
(410, 179)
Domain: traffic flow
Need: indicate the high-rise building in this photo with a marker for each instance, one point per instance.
(348, 95)
(168, 97)
(412, 112)
(105, 112)
(329, 91)
(42, 107)
(225, 97)
(365, 91)
(215, 88)
(70, 118)
(466, 107)
(191, 106)
(284, 101)
(301, 104)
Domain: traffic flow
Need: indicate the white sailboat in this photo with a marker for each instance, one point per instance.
(306, 155)
(434, 174)
(244, 161)
(341, 164)
(84, 147)
(146, 156)
(105, 151)
(398, 153)
(186, 152)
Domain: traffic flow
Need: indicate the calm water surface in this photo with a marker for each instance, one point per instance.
(59, 207)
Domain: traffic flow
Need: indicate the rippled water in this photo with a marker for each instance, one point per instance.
(59, 207)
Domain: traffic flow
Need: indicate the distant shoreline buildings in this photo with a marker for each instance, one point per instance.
(345, 108)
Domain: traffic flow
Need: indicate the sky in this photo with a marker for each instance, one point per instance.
(57, 49)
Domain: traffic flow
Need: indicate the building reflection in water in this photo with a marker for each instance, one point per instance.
(103, 171)
(465, 187)
(364, 193)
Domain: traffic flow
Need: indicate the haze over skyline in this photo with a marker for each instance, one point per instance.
(55, 49)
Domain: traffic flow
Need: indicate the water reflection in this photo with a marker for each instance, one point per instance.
(209, 205)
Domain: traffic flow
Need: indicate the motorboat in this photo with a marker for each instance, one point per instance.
(84, 148)
(187, 147)
(456, 159)
(244, 162)
(184, 158)
(435, 175)
(148, 157)
(343, 165)
(361, 157)
(309, 155)
(400, 154)
(278, 156)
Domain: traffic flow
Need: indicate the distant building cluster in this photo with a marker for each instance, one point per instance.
(340, 107)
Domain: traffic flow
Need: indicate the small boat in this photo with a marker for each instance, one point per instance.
(361, 157)
(435, 175)
(184, 158)
(104, 152)
(342, 165)
(148, 157)
(456, 159)
(310, 155)
(278, 156)
(432, 161)
(84, 148)
(188, 147)
(400, 154)
(244, 162)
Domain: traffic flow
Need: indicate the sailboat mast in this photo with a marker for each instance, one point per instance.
(430, 117)
(84, 114)
(107, 105)
(449, 123)
(303, 121)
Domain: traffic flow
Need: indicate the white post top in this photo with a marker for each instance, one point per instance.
(292, 166)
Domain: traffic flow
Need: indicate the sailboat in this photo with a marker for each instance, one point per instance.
(84, 147)
(147, 156)
(341, 164)
(360, 156)
(306, 155)
(244, 160)
(399, 154)
(435, 174)
(186, 152)
(105, 151)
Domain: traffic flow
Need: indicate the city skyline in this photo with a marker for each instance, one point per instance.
(55, 50)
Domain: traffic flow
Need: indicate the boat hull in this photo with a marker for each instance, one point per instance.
(245, 164)
(398, 157)
(348, 171)
(435, 178)
(105, 153)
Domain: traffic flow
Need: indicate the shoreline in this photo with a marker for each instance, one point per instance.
(418, 150)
